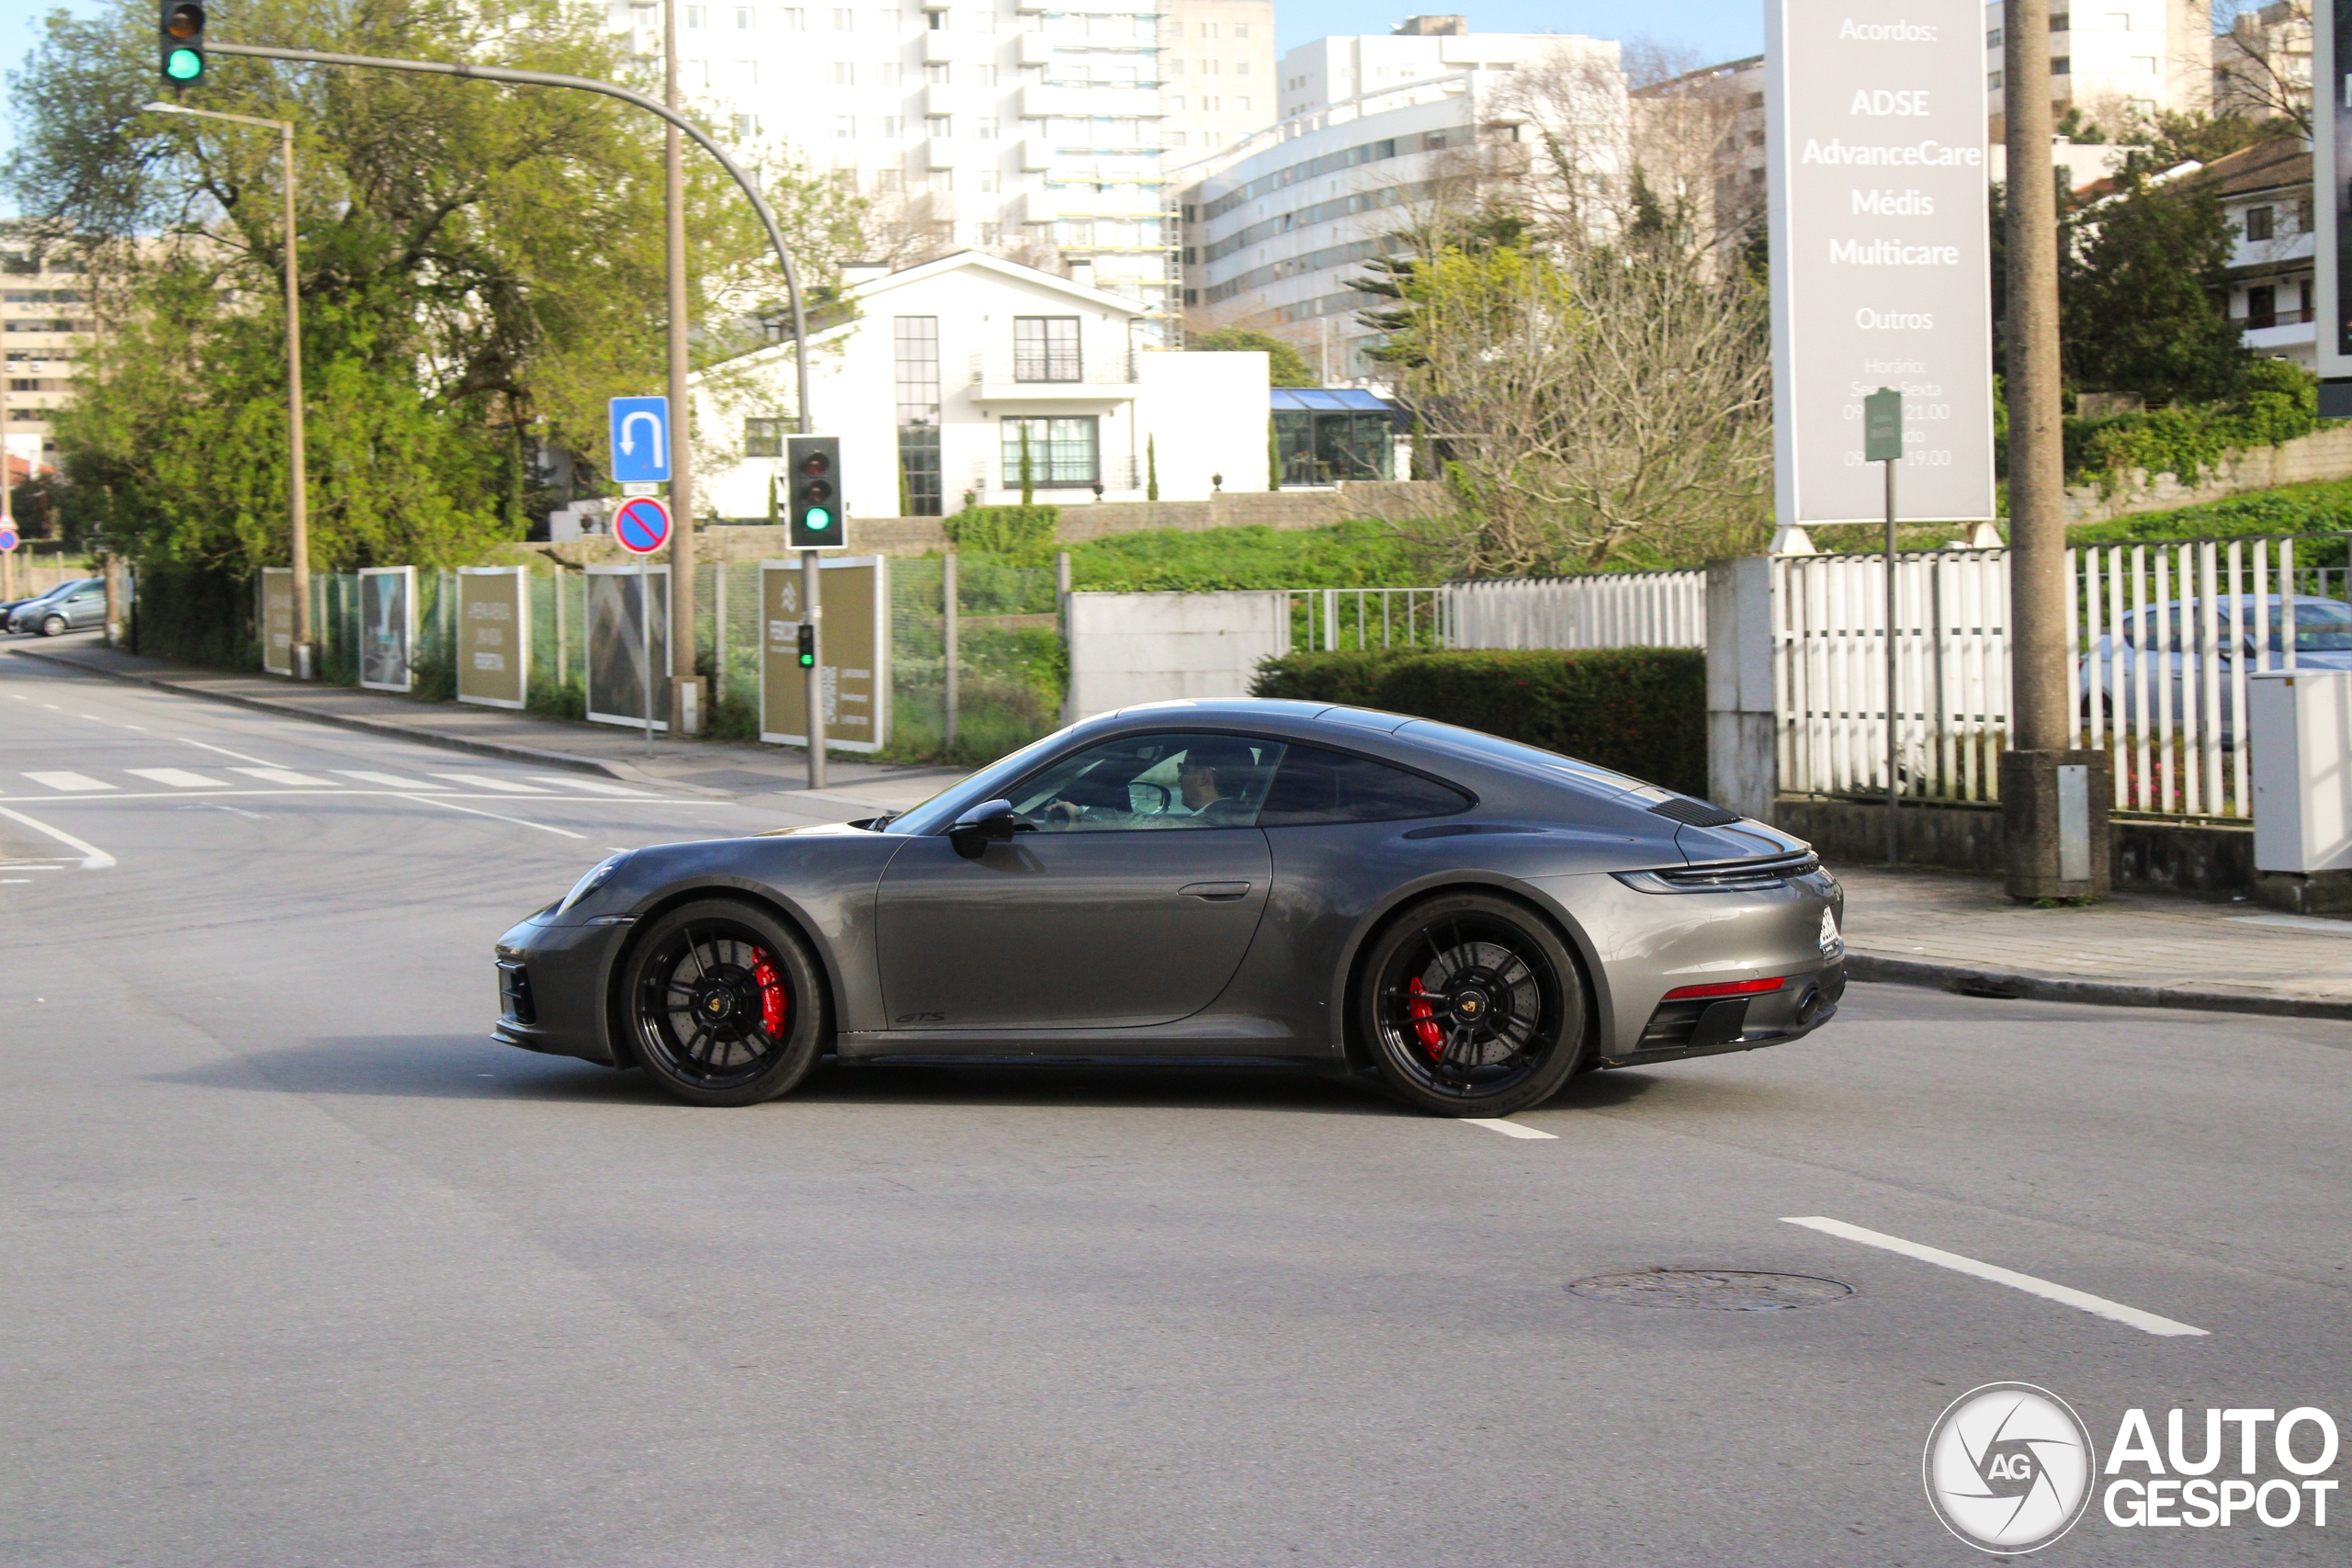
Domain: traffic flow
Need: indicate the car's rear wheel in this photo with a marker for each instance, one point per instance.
(724, 1005)
(1472, 1006)
(53, 627)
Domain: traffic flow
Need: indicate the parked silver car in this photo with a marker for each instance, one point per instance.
(69, 606)
(2163, 647)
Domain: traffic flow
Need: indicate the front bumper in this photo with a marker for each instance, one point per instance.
(553, 983)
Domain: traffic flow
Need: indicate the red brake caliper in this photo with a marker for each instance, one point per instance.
(1422, 1014)
(771, 987)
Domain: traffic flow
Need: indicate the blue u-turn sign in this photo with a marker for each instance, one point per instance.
(641, 440)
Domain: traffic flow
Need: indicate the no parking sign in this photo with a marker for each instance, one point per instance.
(642, 524)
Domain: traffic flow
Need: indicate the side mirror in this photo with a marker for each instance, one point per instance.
(989, 822)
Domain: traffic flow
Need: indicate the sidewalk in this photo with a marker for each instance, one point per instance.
(1959, 932)
(713, 767)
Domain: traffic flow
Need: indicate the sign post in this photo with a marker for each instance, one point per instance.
(7, 551)
(1882, 442)
(642, 526)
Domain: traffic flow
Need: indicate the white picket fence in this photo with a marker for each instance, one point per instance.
(1951, 698)
(1617, 609)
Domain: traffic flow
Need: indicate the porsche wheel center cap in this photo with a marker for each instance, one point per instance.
(1471, 1005)
(715, 1004)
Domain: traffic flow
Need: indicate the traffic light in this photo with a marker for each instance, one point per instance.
(808, 644)
(179, 37)
(816, 514)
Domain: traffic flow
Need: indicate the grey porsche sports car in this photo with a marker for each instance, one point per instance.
(1470, 918)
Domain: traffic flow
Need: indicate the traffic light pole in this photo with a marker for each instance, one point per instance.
(813, 677)
(586, 84)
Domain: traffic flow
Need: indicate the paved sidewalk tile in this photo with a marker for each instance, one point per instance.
(2176, 945)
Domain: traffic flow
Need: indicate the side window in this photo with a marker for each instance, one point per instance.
(1150, 782)
(1315, 785)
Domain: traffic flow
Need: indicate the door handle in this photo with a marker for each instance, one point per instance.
(1215, 892)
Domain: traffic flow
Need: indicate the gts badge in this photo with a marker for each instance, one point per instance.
(920, 1018)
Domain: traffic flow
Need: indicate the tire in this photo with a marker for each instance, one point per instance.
(53, 627)
(1472, 1006)
(724, 1004)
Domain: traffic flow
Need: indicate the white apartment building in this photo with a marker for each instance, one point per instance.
(2118, 62)
(2262, 66)
(1371, 127)
(1217, 74)
(1024, 127)
(956, 366)
(47, 326)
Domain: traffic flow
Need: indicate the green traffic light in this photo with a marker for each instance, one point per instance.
(818, 519)
(184, 65)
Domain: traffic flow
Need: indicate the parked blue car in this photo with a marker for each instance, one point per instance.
(69, 606)
(2168, 640)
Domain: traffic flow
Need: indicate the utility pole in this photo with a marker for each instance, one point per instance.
(2053, 798)
(682, 419)
(298, 502)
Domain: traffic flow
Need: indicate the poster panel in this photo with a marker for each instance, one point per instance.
(493, 635)
(2330, 296)
(854, 650)
(278, 619)
(1882, 258)
(616, 622)
(387, 627)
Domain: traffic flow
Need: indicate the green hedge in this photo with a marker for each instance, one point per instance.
(1639, 710)
(1021, 531)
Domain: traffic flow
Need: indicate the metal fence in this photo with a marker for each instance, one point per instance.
(1951, 699)
(1617, 609)
(1333, 618)
(2168, 634)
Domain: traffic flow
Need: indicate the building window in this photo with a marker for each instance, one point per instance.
(1242, 105)
(696, 14)
(746, 17)
(889, 77)
(1175, 68)
(886, 182)
(889, 126)
(915, 342)
(1063, 453)
(940, 180)
(1176, 138)
(764, 438)
(938, 74)
(991, 233)
(1240, 29)
(843, 21)
(938, 125)
(844, 128)
(845, 74)
(1993, 81)
(792, 18)
(1992, 39)
(988, 181)
(2261, 306)
(1044, 348)
(984, 128)
(1208, 30)
(2062, 65)
(2259, 224)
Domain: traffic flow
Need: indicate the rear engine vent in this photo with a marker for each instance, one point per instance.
(1694, 813)
(1694, 1025)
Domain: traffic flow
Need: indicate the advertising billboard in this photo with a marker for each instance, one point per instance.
(387, 627)
(493, 651)
(854, 650)
(1882, 258)
(278, 619)
(2331, 297)
(616, 643)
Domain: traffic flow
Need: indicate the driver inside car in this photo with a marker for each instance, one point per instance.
(1209, 782)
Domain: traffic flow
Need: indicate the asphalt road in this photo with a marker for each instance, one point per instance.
(300, 1268)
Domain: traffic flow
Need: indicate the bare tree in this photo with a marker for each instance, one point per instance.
(2262, 66)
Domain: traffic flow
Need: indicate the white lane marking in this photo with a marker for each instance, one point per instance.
(590, 786)
(93, 858)
(440, 800)
(2295, 923)
(393, 781)
(231, 810)
(2067, 1294)
(16, 882)
(178, 778)
(1507, 1129)
(76, 783)
(207, 745)
(284, 776)
(485, 781)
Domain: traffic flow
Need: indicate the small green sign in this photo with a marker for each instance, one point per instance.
(1883, 426)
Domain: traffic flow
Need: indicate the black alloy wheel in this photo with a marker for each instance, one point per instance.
(1473, 1006)
(725, 1004)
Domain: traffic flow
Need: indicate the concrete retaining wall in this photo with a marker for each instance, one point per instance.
(2323, 455)
(1146, 648)
(2204, 859)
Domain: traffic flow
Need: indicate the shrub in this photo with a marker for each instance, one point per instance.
(1638, 710)
(1003, 530)
(2277, 402)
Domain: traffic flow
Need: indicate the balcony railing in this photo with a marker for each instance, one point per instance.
(1115, 368)
(2255, 321)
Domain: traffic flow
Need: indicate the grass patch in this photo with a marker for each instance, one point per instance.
(2321, 508)
(1164, 560)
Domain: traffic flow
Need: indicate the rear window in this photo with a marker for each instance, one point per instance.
(1315, 785)
(1517, 754)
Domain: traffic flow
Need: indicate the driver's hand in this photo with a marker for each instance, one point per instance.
(1063, 811)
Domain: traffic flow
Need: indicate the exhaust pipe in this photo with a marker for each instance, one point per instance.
(1809, 1005)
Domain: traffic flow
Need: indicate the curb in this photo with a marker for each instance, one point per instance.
(506, 750)
(2019, 986)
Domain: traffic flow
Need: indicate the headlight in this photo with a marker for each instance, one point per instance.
(598, 874)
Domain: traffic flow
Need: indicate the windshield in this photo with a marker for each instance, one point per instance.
(986, 784)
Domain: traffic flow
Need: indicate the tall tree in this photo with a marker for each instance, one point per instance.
(1286, 366)
(480, 268)
(2142, 292)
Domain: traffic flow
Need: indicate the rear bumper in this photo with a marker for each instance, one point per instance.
(1678, 1031)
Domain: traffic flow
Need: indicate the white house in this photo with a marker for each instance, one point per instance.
(949, 365)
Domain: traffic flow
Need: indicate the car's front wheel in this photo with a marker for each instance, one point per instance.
(724, 1005)
(1472, 1006)
(53, 627)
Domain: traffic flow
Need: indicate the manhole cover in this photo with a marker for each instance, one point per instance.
(1731, 1289)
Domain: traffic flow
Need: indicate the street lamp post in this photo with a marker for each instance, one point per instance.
(297, 489)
